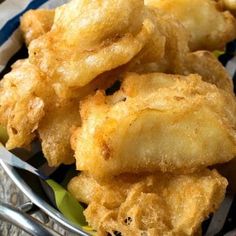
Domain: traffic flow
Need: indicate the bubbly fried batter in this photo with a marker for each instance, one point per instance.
(156, 122)
(165, 56)
(143, 150)
(35, 23)
(83, 187)
(205, 64)
(209, 27)
(176, 58)
(21, 103)
(160, 204)
(229, 5)
(28, 105)
(90, 37)
(166, 50)
(54, 132)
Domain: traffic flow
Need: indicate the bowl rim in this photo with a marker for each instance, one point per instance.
(43, 205)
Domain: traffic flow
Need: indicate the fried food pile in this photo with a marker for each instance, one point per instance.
(156, 204)
(198, 17)
(128, 91)
(166, 123)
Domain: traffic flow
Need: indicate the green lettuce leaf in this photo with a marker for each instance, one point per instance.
(67, 204)
(3, 135)
(218, 53)
(70, 207)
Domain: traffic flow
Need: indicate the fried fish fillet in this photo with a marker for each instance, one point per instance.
(176, 57)
(228, 5)
(165, 51)
(90, 37)
(209, 27)
(28, 105)
(54, 132)
(160, 204)
(156, 122)
(30, 108)
(208, 67)
(21, 103)
(167, 47)
(35, 23)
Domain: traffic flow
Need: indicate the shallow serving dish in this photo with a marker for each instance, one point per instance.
(31, 186)
(222, 223)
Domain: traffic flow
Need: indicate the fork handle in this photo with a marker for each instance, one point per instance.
(25, 222)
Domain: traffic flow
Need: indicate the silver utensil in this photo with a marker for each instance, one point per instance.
(9, 162)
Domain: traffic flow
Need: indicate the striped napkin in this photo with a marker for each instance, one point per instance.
(10, 12)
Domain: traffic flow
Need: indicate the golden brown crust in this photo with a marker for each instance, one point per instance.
(55, 132)
(211, 70)
(160, 204)
(198, 16)
(156, 122)
(21, 104)
(35, 23)
(229, 5)
(28, 106)
(76, 51)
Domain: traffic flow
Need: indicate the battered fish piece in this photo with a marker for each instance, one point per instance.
(160, 204)
(28, 105)
(198, 16)
(167, 48)
(228, 5)
(88, 38)
(176, 57)
(55, 132)
(21, 103)
(30, 108)
(156, 122)
(205, 64)
(35, 23)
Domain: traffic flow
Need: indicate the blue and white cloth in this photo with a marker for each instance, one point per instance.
(10, 13)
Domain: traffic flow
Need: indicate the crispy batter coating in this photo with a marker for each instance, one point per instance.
(54, 132)
(176, 58)
(35, 23)
(205, 64)
(165, 51)
(21, 103)
(156, 122)
(198, 16)
(90, 37)
(229, 5)
(165, 48)
(28, 105)
(160, 204)
(165, 54)
(83, 187)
